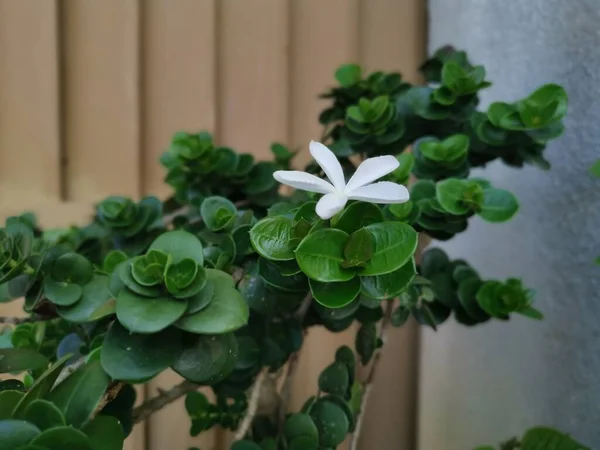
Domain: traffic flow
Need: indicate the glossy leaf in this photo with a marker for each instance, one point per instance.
(206, 359)
(62, 438)
(131, 357)
(358, 215)
(180, 244)
(79, 394)
(105, 433)
(394, 243)
(44, 415)
(335, 295)
(15, 434)
(331, 422)
(20, 359)
(273, 238)
(498, 205)
(94, 302)
(148, 315)
(320, 255)
(389, 285)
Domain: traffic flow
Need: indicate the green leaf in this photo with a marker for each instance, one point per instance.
(467, 294)
(149, 269)
(14, 360)
(366, 342)
(61, 292)
(41, 387)
(394, 243)
(218, 213)
(185, 278)
(132, 357)
(358, 215)
(273, 276)
(595, 169)
(542, 438)
(125, 275)
(44, 415)
(348, 74)
(299, 424)
(359, 249)
(95, 303)
(180, 244)
(334, 379)
(335, 295)
(207, 359)
(400, 316)
(389, 285)
(273, 238)
(113, 259)
(248, 353)
(320, 255)
(498, 205)
(201, 300)
(8, 402)
(260, 178)
(14, 434)
(105, 433)
(226, 312)
(62, 438)
(79, 394)
(451, 195)
(402, 173)
(148, 315)
(241, 238)
(72, 268)
(331, 422)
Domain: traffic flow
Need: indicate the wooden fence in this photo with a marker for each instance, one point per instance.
(92, 90)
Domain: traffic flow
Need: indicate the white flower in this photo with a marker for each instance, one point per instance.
(337, 193)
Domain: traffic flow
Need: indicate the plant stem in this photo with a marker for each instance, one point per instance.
(20, 320)
(252, 406)
(142, 412)
(108, 397)
(367, 384)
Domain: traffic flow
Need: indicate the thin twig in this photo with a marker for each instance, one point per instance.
(108, 397)
(20, 320)
(367, 385)
(252, 406)
(141, 413)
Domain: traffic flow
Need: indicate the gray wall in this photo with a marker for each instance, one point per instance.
(485, 384)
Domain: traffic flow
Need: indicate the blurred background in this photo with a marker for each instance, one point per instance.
(92, 90)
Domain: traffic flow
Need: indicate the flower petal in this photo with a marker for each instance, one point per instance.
(370, 170)
(382, 192)
(330, 205)
(329, 163)
(304, 181)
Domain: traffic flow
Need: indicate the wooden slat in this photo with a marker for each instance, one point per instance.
(101, 97)
(324, 35)
(29, 111)
(178, 77)
(252, 74)
(392, 37)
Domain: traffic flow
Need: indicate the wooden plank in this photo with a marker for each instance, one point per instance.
(29, 102)
(178, 62)
(253, 74)
(324, 35)
(178, 78)
(101, 97)
(392, 37)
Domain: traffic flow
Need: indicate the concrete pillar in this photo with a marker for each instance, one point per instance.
(485, 384)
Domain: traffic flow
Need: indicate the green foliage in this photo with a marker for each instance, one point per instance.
(221, 281)
(540, 438)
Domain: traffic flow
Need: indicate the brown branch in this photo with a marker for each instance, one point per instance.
(111, 393)
(20, 320)
(367, 384)
(142, 412)
(252, 405)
